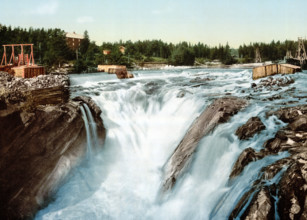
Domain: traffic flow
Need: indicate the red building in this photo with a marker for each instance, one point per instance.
(74, 40)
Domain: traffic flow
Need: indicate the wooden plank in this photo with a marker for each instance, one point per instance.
(273, 69)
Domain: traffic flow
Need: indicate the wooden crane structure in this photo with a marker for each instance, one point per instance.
(301, 52)
(21, 65)
(300, 58)
(257, 56)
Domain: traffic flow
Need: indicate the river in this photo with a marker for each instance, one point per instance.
(146, 118)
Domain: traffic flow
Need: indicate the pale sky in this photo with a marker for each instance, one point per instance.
(209, 22)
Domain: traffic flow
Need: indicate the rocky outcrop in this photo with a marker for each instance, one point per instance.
(272, 83)
(247, 156)
(253, 126)
(40, 143)
(218, 112)
(282, 183)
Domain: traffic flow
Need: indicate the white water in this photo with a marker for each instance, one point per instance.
(145, 121)
(91, 131)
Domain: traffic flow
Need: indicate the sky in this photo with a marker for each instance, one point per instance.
(211, 22)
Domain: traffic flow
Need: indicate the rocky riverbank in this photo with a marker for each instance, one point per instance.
(281, 187)
(42, 138)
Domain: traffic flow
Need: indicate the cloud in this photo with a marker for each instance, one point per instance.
(46, 8)
(85, 19)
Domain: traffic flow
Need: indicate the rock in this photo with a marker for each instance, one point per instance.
(289, 174)
(180, 94)
(292, 193)
(247, 156)
(273, 145)
(300, 124)
(130, 75)
(96, 111)
(11, 83)
(199, 80)
(261, 207)
(271, 83)
(250, 128)
(218, 112)
(289, 114)
(39, 145)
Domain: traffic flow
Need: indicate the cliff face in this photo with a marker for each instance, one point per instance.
(42, 137)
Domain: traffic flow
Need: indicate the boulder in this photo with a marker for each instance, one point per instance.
(253, 126)
(218, 112)
(300, 123)
(247, 156)
(261, 207)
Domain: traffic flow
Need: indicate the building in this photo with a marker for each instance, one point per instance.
(122, 49)
(106, 52)
(74, 40)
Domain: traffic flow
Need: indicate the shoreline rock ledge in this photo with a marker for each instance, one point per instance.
(281, 187)
(42, 138)
(218, 112)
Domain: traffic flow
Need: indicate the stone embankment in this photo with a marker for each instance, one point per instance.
(42, 138)
(281, 187)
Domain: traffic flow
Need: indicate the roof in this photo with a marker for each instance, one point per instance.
(74, 35)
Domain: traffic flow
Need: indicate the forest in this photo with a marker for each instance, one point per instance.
(50, 49)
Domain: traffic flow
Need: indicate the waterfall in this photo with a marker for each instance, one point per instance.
(90, 127)
(146, 118)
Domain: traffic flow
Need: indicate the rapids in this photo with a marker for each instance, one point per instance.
(146, 118)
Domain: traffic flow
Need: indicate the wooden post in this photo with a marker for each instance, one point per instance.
(12, 55)
(4, 56)
(31, 55)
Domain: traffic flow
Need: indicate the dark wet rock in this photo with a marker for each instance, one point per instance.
(253, 126)
(261, 207)
(300, 124)
(200, 80)
(273, 145)
(40, 142)
(218, 112)
(96, 111)
(289, 114)
(181, 94)
(292, 190)
(153, 87)
(289, 174)
(247, 156)
(271, 83)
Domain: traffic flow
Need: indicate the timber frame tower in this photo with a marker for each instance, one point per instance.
(301, 52)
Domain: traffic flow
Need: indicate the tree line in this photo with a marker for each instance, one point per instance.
(50, 46)
(274, 51)
(50, 49)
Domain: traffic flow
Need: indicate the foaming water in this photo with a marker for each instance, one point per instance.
(146, 118)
